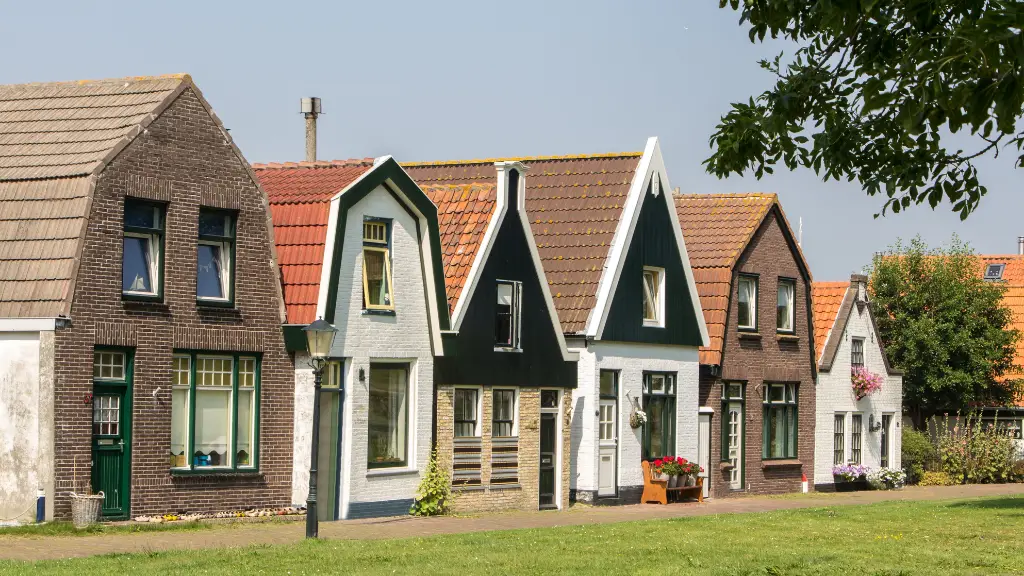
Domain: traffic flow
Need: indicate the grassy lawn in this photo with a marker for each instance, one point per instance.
(935, 538)
(68, 529)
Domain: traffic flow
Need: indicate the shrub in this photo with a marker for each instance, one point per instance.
(936, 479)
(887, 479)
(435, 491)
(918, 454)
(975, 453)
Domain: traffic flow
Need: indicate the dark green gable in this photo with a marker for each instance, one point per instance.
(653, 244)
(470, 357)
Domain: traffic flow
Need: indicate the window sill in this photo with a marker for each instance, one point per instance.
(217, 472)
(749, 335)
(787, 337)
(786, 463)
(653, 324)
(508, 349)
(214, 303)
(156, 298)
(725, 466)
(396, 471)
(369, 312)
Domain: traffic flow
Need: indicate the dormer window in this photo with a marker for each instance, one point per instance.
(377, 291)
(994, 271)
(508, 316)
(654, 296)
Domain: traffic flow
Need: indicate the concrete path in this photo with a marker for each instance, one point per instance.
(56, 547)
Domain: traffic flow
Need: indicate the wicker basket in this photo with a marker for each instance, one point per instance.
(85, 509)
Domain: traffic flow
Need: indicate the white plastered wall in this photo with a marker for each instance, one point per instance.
(631, 360)
(835, 395)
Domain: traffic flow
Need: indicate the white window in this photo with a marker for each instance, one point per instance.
(377, 291)
(508, 314)
(839, 439)
(784, 308)
(504, 413)
(654, 296)
(746, 310)
(215, 255)
(467, 413)
(388, 415)
(108, 365)
(181, 391)
(141, 258)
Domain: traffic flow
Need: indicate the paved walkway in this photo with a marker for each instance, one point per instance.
(55, 547)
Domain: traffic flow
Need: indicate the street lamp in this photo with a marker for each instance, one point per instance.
(319, 339)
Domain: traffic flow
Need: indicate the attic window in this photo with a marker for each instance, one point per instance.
(377, 294)
(994, 271)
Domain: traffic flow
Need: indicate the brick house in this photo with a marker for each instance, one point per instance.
(359, 247)
(757, 382)
(504, 385)
(140, 305)
(863, 431)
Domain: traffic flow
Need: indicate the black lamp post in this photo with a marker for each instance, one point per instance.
(319, 339)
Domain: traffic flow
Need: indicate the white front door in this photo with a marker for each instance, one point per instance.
(608, 445)
(704, 449)
(735, 431)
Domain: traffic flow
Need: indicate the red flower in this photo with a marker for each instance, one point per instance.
(658, 463)
(680, 460)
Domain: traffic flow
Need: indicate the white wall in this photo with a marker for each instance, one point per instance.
(835, 394)
(362, 339)
(631, 360)
(26, 426)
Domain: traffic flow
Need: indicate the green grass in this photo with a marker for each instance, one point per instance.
(977, 536)
(68, 529)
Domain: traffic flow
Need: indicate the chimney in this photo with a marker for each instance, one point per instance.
(311, 109)
(860, 283)
(1020, 245)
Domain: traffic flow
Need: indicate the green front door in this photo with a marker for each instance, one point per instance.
(111, 432)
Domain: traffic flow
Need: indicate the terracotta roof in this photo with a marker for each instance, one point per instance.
(299, 195)
(1013, 298)
(1013, 273)
(826, 299)
(61, 129)
(574, 204)
(463, 213)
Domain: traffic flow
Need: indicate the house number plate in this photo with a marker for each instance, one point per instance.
(106, 442)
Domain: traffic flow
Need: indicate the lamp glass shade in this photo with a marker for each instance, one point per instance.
(320, 338)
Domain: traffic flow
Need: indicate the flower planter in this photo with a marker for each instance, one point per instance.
(850, 485)
(690, 481)
(673, 481)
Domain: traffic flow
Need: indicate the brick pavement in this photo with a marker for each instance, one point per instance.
(56, 547)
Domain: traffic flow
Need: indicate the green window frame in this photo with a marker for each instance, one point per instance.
(732, 392)
(215, 256)
(659, 397)
(143, 237)
(780, 422)
(235, 377)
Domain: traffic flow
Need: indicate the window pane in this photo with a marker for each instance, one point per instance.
(503, 315)
(136, 265)
(138, 215)
(179, 426)
(791, 432)
(215, 224)
(465, 413)
(656, 422)
(776, 393)
(650, 295)
(213, 418)
(377, 289)
(747, 298)
(777, 432)
(549, 398)
(657, 383)
(388, 420)
(208, 275)
(784, 320)
(245, 427)
(608, 383)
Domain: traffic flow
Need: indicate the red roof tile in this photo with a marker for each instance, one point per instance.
(299, 195)
(826, 298)
(1013, 298)
(574, 204)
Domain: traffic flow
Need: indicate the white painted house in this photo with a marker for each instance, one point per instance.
(848, 430)
(358, 245)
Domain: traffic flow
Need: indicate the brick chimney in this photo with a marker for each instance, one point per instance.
(860, 283)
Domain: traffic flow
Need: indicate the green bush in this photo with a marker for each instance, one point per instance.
(936, 479)
(972, 452)
(435, 491)
(1017, 473)
(918, 454)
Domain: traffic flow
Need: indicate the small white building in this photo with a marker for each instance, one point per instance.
(847, 430)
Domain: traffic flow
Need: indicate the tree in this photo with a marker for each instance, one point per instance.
(879, 82)
(945, 326)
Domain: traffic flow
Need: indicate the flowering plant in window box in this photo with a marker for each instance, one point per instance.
(850, 477)
(658, 470)
(864, 382)
(887, 479)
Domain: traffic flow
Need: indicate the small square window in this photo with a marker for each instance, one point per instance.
(609, 383)
(994, 271)
(746, 309)
(654, 296)
(108, 365)
(549, 398)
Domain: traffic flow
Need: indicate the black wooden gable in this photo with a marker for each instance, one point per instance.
(653, 244)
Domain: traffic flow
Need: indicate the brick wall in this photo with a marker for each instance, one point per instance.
(488, 497)
(184, 158)
(766, 358)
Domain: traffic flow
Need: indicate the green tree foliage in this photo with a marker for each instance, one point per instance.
(918, 454)
(944, 326)
(878, 82)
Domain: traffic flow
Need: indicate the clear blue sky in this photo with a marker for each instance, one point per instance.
(468, 79)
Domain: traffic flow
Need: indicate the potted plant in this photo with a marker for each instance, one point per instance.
(671, 468)
(886, 479)
(864, 382)
(657, 470)
(850, 477)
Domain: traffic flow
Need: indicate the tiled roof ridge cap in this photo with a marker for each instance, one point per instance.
(753, 195)
(524, 159)
(176, 76)
(318, 164)
(831, 283)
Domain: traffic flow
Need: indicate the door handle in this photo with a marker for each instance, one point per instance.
(120, 445)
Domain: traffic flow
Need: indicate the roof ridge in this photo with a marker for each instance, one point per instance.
(766, 195)
(525, 159)
(179, 76)
(368, 161)
(831, 282)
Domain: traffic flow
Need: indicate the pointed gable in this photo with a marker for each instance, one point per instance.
(826, 300)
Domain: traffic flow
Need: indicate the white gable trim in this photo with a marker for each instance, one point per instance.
(652, 165)
(325, 268)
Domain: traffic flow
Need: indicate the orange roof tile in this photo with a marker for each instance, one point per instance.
(826, 299)
(299, 195)
(1013, 298)
(574, 204)
(463, 214)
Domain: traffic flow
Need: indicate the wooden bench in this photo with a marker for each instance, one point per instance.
(658, 490)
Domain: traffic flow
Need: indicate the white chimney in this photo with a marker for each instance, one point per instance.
(311, 109)
(1020, 245)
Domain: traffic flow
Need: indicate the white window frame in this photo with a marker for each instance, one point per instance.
(478, 428)
(791, 304)
(154, 263)
(753, 304)
(517, 315)
(515, 410)
(659, 296)
(187, 388)
(114, 354)
(225, 271)
(229, 458)
(382, 244)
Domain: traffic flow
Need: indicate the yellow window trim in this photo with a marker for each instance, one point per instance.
(387, 274)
